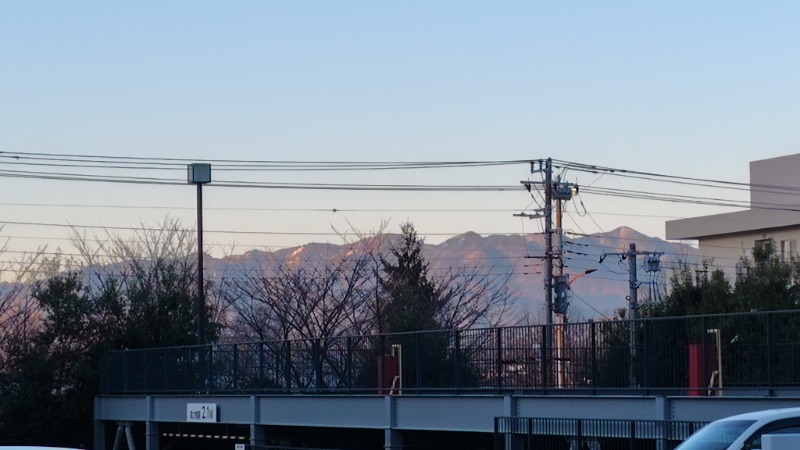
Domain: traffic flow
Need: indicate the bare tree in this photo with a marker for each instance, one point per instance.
(19, 318)
(302, 299)
(341, 293)
(153, 272)
(472, 297)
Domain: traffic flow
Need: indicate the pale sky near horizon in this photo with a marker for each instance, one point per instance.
(685, 88)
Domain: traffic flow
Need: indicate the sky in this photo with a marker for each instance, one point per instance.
(684, 88)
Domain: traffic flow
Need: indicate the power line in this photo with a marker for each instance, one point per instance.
(705, 182)
(103, 161)
(222, 208)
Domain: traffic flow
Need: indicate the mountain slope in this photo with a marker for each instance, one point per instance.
(517, 257)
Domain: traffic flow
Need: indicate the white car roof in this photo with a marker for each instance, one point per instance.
(34, 447)
(769, 414)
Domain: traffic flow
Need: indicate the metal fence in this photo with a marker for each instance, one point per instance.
(524, 433)
(758, 351)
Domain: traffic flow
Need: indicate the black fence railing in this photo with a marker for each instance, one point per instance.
(524, 433)
(758, 351)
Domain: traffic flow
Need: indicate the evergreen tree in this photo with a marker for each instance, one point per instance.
(48, 387)
(412, 301)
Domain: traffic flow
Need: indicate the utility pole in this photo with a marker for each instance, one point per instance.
(633, 306)
(548, 239)
(554, 283)
(633, 301)
(545, 166)
(561, 192)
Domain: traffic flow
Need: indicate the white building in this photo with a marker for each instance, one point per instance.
(774, 214)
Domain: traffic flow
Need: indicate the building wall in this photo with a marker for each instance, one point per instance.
(726, 250)
(781, 171)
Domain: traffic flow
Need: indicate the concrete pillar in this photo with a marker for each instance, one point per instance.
(129, 436)
(509, 406)
(258, 436)
(99, 435)
(392, 439)
(119, 436)
(258, 433)
(663, 412)
(151, 435)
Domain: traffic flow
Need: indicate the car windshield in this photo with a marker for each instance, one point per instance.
(716, 436)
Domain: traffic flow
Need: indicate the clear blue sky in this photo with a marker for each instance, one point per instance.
(684, 88)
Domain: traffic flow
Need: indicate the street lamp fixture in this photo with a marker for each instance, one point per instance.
(587, 272)
(200, 174)
(716, 332)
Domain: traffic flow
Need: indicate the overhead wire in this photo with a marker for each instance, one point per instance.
(95, 162)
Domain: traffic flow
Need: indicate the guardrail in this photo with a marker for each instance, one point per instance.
(526, 433)
(760, 352)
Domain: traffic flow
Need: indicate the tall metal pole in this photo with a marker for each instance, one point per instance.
(548, 240)
(201, 301)
(560, 315)
(632, 310)
(199, 174)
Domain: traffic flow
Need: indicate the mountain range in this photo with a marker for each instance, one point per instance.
(520, 257)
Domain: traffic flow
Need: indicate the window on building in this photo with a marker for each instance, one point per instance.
(741, 271)
(763, 249)
(788, 249)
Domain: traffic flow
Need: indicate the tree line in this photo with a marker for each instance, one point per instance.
(139, 292)
(765, 282)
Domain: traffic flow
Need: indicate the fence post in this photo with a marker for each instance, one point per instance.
(261, 364)
(770, 356)
(287, 370)
(594, 353)
(417, 365)
(146, 372)
(545, 351)
(349, 362)
(703, 332)
(645, 367)
(633, 435)
(235, 348)
(317, 363)
(457, 360)
(499, 357)
(125, 370)
(210, 370)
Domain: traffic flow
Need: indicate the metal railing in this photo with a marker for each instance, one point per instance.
(760, 351)
(525, 433)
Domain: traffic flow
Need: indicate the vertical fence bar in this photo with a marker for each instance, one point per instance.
(287, 369)
(529, 440)
(260, 364)
(704, 349)
(457, 360)
(544, 352)
(499, 357)
(208, 375)
(349, 362)
(235, 349)
(317, 358)
(593, 327)
(645, 372)
(417, 365)
(770, 356)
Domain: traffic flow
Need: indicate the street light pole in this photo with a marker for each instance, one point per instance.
(200, 174)
(718, 335)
